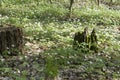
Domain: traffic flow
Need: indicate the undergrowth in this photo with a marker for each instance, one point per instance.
(50, 26)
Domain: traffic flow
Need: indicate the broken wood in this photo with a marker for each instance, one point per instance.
(84, 41)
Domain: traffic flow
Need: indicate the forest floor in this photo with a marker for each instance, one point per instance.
(31, 65)
(49, 32)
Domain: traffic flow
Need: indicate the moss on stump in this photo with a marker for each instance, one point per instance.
(85, 42)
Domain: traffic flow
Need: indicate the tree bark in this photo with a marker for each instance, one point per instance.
(86, 42)
(98, 1)
(11, 40)
(70, 7)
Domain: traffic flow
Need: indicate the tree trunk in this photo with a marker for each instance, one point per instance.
(11, 40)
(50, 1)
(110, 3)
(98, 2)
(70, 7)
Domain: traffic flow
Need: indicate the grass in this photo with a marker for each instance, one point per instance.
(49, 26)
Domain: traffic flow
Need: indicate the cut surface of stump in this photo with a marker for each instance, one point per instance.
(11, 40)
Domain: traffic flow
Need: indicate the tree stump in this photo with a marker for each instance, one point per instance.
(11, 40)
(80, 38)
(93, 41)
(85, 42)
